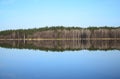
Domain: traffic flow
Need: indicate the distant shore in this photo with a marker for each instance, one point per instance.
(62, 33)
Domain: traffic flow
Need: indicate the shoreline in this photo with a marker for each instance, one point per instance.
(28, 39)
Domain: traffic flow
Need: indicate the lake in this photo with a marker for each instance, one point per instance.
(60, 60)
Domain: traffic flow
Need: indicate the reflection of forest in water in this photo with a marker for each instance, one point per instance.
(61, 45)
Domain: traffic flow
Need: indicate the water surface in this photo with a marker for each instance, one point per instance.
(26, 63)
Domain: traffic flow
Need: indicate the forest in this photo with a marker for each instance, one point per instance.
(62, 33)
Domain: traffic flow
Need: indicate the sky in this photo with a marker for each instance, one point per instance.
(21, 14)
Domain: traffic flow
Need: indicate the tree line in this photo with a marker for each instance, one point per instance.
(61, 32)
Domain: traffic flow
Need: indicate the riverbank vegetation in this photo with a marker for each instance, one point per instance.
(61, 32)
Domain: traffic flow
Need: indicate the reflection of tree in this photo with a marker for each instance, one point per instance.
(61, 45)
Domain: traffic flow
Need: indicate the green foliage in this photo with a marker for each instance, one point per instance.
(31, 31)
(6, 32)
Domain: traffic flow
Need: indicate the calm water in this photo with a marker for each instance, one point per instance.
(38, 64)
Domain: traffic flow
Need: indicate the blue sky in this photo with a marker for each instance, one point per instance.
(17, 14)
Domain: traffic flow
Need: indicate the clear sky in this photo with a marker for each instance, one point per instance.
(17, 14)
